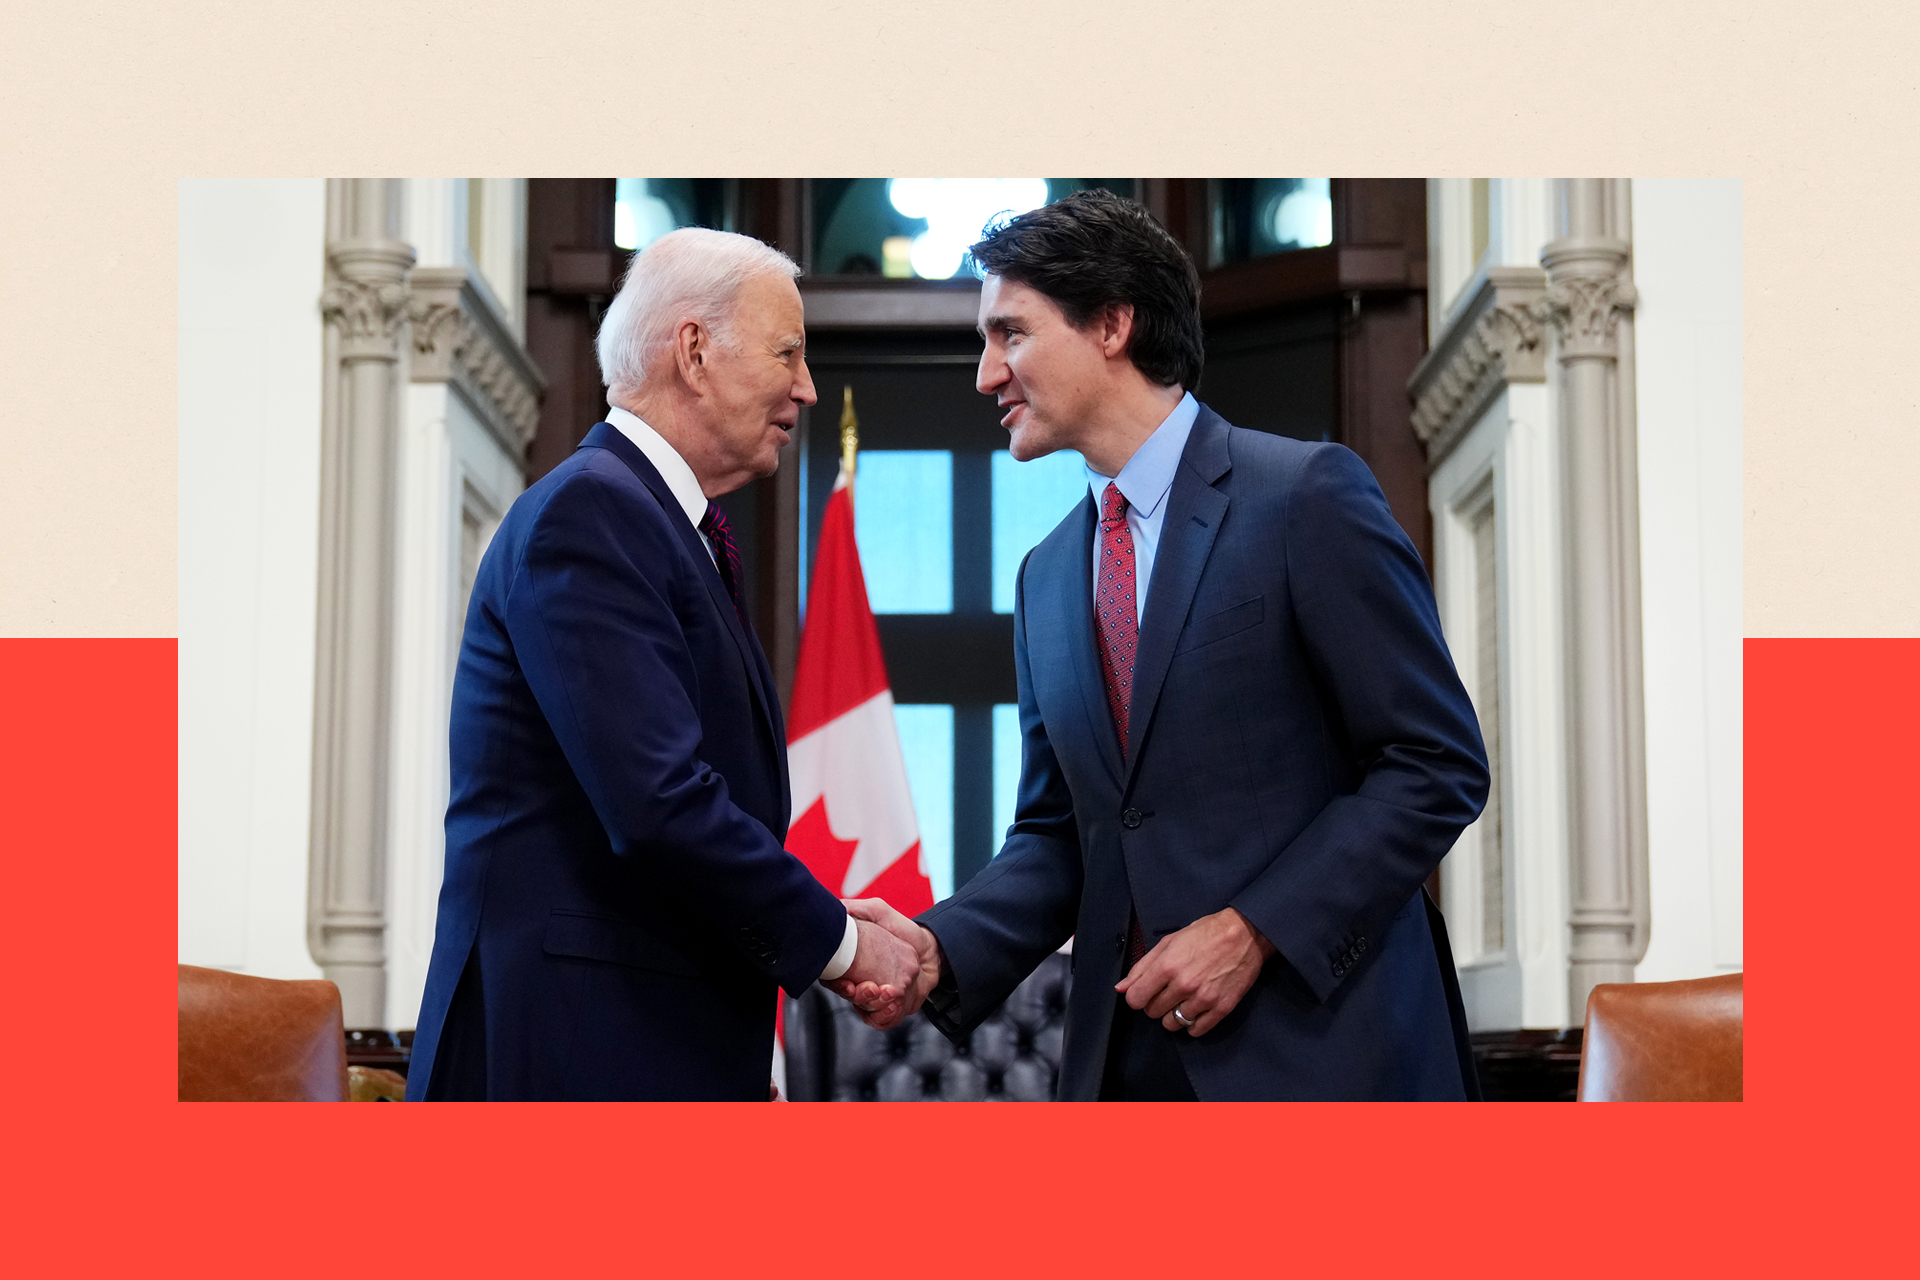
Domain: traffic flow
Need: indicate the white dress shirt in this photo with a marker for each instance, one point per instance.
(1145, 482)
(685, 487)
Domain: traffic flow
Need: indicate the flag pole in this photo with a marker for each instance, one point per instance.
(849, 432)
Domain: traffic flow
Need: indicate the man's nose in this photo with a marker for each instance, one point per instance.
(803, 385)
(992, 374)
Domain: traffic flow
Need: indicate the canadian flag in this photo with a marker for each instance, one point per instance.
(854, 825)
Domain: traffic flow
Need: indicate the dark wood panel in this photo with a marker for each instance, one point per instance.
(949, 658)
(1381, 211)
(1528, 1066)
(1382, 341)
(1277, 372)
(572, 268)
(876, 303)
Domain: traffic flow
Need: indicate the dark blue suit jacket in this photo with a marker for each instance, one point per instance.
(1302, 749)
(617, 908)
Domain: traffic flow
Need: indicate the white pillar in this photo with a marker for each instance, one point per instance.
(1590, 299)
(365, 307)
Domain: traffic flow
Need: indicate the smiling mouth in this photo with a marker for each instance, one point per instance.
(1011, 409)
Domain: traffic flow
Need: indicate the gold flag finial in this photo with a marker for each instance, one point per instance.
(849, 431)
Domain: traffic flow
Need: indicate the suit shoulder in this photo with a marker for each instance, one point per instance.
(592, 478)
(1268, 451)
(589, 495)
(1274, 467)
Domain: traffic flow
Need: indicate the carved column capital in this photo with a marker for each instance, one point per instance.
(1587, 293)
(368, 296)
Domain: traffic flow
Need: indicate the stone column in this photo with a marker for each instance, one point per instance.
(365, 306)
(1590, 300)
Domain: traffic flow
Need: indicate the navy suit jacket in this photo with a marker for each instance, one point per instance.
(617, 909)
(1302, 749)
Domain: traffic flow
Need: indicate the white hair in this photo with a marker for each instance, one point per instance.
(689, 274)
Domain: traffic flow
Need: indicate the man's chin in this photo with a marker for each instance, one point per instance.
(1025, 446)
(770, 461)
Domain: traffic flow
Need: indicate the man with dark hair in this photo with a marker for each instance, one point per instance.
(1244, 743)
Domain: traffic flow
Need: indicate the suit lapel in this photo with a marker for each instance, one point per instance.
(606, 436)
(1194, 511)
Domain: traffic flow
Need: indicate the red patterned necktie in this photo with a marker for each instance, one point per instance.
(1118, 622)
(726, 556)
(1113, 608)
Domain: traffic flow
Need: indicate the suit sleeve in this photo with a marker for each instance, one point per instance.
(591, 615)
(1366, 617)
(1021, 907)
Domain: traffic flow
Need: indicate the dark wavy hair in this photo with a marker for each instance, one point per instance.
(1094, 249)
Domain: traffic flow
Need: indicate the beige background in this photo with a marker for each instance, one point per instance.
(104, 111)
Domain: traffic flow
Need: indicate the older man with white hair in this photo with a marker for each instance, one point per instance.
(618, 910)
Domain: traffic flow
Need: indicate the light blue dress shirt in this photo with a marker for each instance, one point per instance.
(1145, 482)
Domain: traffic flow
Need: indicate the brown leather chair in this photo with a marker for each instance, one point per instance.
(245, 1039)
(1663, 1042)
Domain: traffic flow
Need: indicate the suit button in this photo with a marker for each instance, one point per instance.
(1363, 945)
(1120, 943)
(1130, 819)
(1339, 969)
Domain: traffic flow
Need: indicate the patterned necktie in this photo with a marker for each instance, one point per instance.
(1113, 608)
(726, 557)
(1119, 624)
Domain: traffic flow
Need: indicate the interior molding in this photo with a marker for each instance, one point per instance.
(1498, 338)
(875, 303)
(460, 337)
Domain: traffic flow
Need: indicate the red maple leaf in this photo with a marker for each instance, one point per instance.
(812, 841)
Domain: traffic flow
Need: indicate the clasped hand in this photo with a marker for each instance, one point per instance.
(896, 964)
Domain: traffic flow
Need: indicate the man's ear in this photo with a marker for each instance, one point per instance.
(691, 345)
(1116, 329)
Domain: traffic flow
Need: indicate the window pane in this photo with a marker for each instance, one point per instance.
(903, 522)
(920, 227)
(926, 740)
(1029, 499)
(1006, 769)
(644, 209)
(1254, 217)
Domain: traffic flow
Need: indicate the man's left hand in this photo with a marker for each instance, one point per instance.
(1202, 970)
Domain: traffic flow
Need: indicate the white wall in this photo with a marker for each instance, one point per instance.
(1687, 332)
(251, 260)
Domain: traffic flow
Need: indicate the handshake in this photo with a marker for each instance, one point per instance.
(1188, 981)
(896, 964)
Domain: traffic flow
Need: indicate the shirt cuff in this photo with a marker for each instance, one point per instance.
(843, 958)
